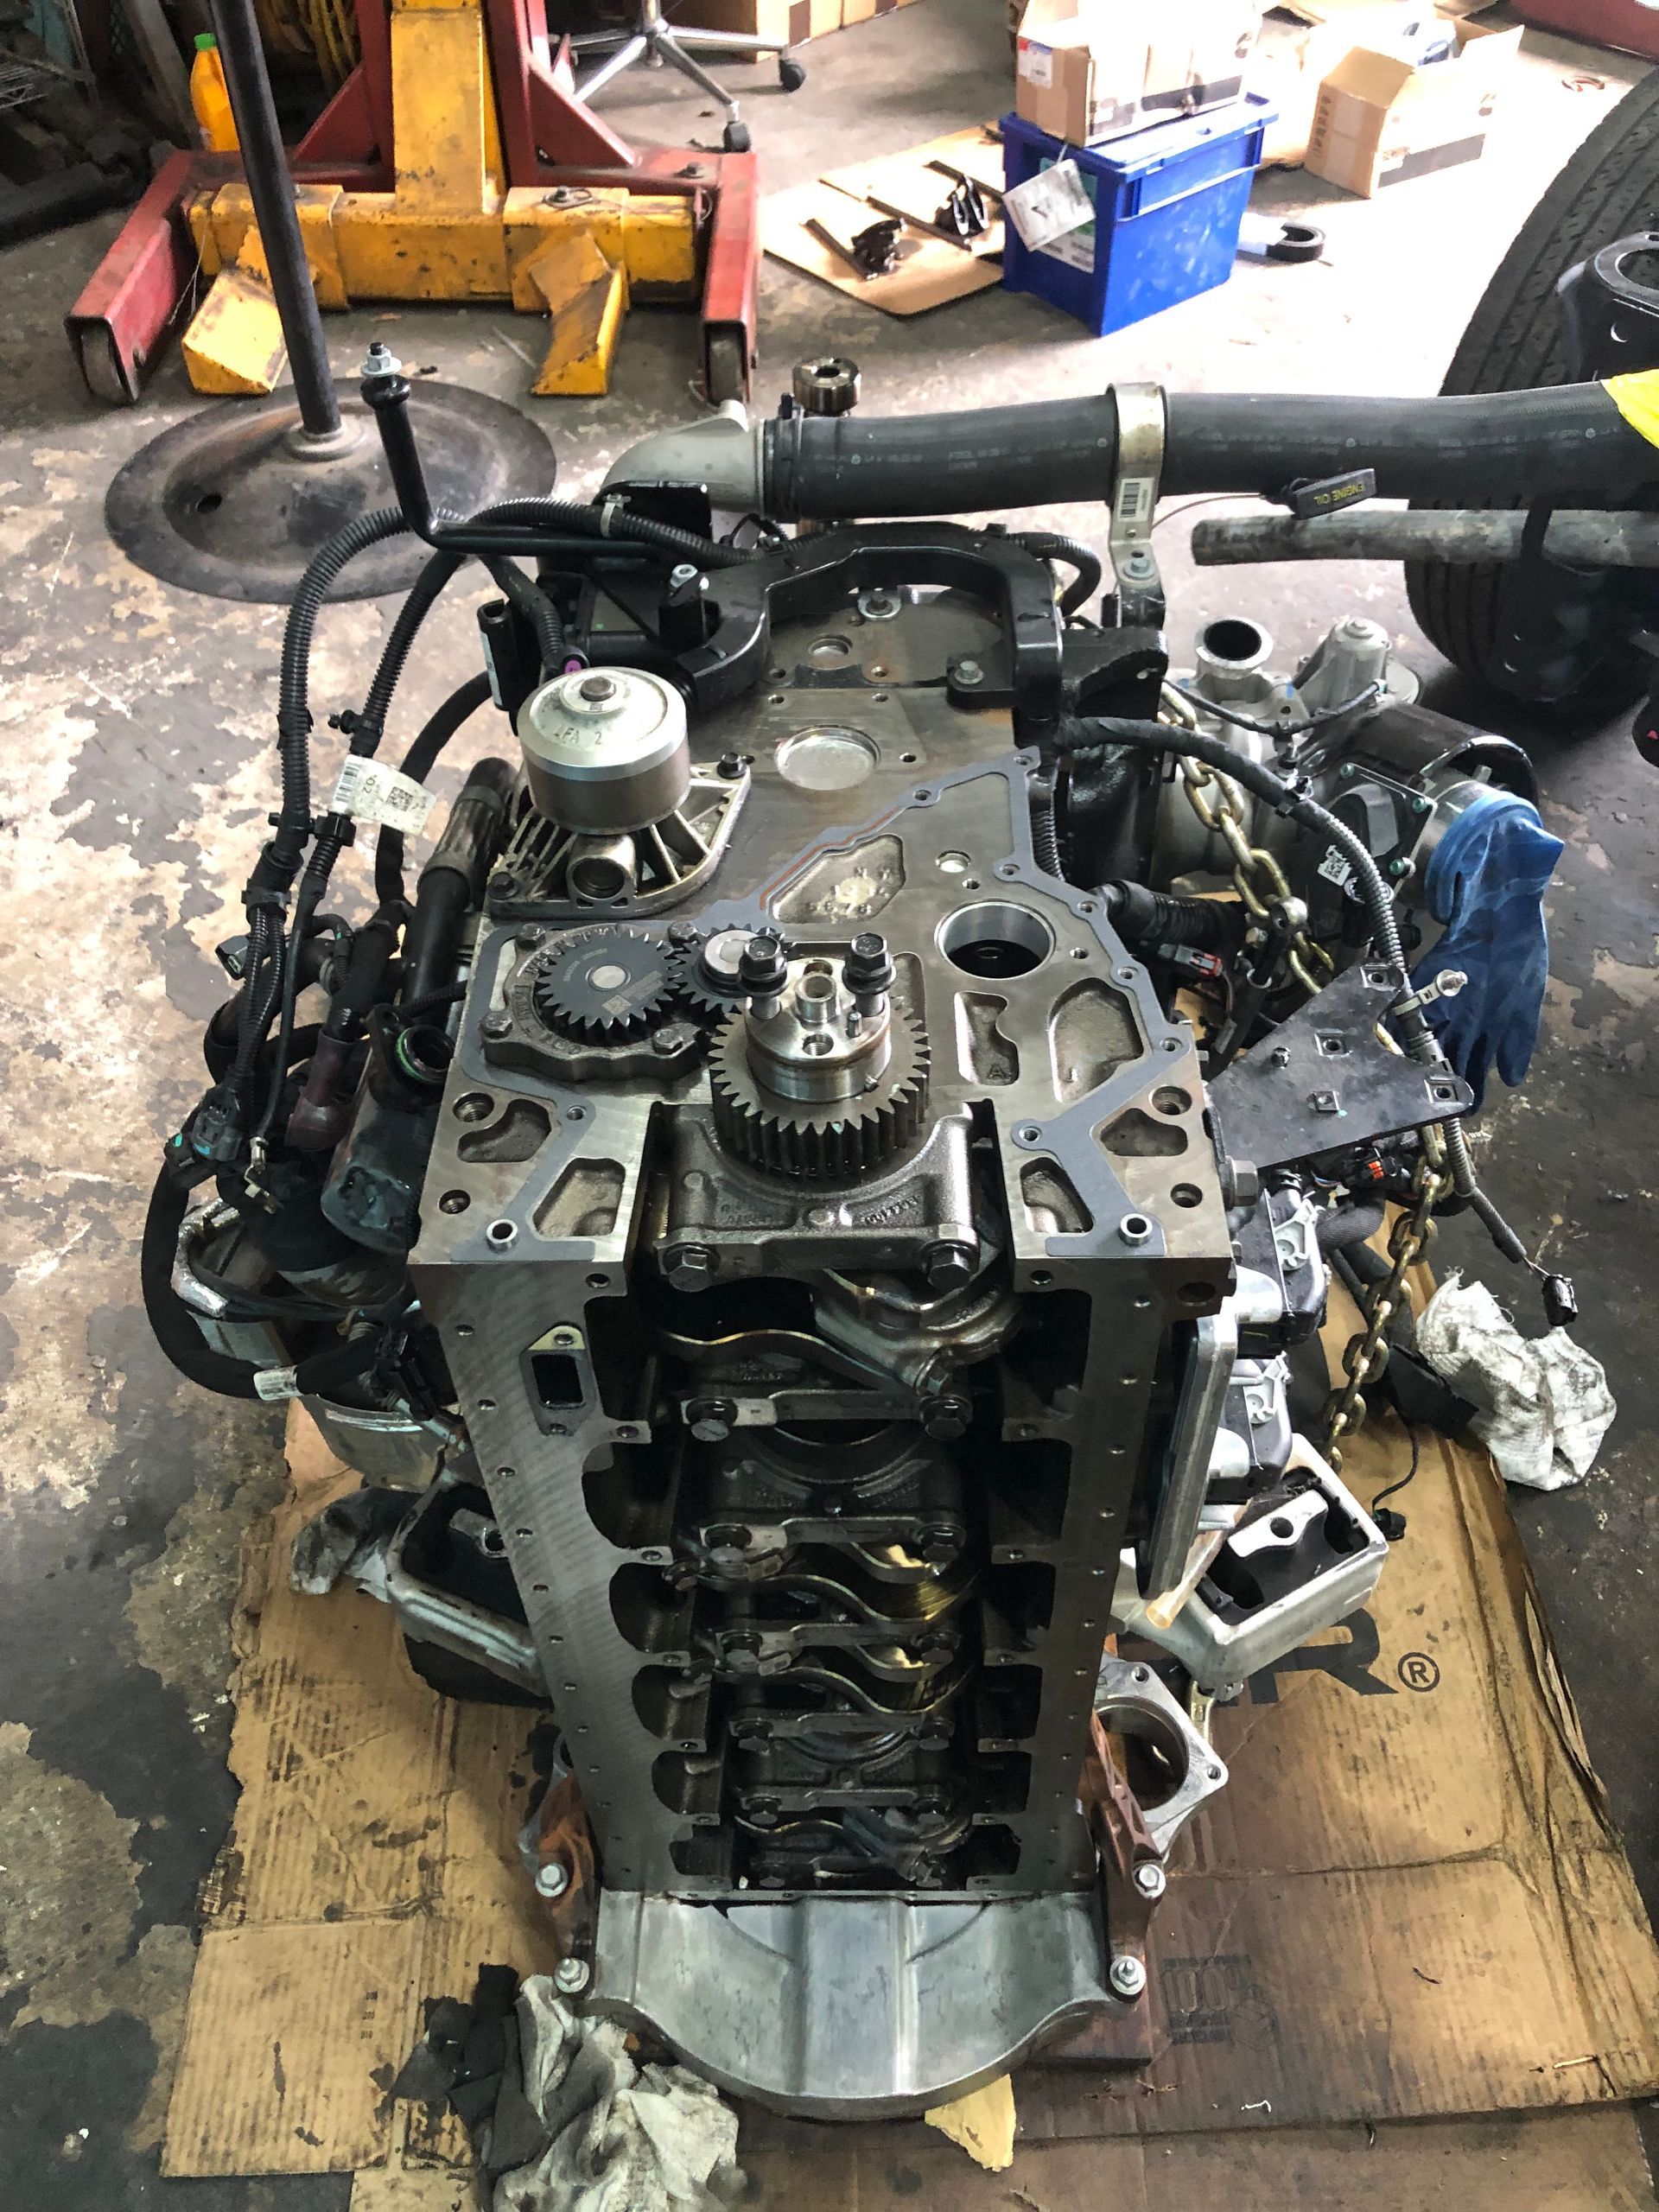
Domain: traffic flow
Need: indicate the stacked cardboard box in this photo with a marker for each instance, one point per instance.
(792, 20)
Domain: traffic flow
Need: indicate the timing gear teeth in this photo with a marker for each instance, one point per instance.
(606, 984)
(827, 1143)
(709, 996)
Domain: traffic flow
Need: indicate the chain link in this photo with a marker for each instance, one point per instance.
(1257, 877)
(1260, 882)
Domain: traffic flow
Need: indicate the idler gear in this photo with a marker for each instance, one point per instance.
(707, 977)
(830, 1141)
(605, 985)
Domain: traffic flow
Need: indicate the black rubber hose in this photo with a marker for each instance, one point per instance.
(1052, 545)
(453, 879)
(460, 706)
(1570, 439)
(538, 610)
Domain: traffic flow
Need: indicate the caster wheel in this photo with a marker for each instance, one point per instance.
(791, 75)
(735, 138)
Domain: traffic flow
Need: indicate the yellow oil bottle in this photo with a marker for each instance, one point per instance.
(210, 96)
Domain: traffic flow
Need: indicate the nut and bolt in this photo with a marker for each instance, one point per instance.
(667, 1042)
(571, 1977)
(381, 360)
(939, 1544)
(711, 1420)
(1136, 564)
(682, 934)
(1127, 1976)
(948, 1266)
(530, 937)
(868, 966)
(1150, 1879)
(553, 1879)
(688, 1267)
(683, 573)
(944, 1419)
(496, 1025)
(763, 968)
(967, 671)
(730, 767)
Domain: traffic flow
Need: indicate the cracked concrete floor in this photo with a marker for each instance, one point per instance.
(136, 766)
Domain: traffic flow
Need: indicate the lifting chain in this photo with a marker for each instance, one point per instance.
(1366, 1354)
(1260, 882)
(1257, 877)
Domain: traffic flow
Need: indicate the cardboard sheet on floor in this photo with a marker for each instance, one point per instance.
(1408, 1906)
(930, 272)
(933, 270)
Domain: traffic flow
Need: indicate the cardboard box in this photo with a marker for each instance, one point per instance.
(1378, 121)
(1089, 70)
(1301, 43)
(792, 22)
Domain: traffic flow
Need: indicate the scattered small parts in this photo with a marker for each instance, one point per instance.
(1543, 1401)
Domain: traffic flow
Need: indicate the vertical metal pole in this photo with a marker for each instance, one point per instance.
(272, 190)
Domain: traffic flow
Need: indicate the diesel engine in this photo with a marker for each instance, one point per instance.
(811, 1208)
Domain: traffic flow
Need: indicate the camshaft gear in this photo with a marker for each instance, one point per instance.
(830, 1141)
(605, 984)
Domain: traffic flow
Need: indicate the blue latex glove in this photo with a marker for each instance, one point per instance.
(1487, 882)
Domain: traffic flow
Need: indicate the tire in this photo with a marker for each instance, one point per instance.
(727, 373)
(1514, 342)
(791, 75)
(735, 138)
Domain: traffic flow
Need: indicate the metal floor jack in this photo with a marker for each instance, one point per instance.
(653, 39)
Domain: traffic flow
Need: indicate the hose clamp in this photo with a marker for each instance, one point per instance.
(1139, 588)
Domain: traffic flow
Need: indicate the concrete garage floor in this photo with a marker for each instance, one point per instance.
(136, 761)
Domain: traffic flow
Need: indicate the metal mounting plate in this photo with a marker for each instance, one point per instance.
(1324, 1079)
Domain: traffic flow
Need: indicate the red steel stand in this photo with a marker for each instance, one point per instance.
(147, 281)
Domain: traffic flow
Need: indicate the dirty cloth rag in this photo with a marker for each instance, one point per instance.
(1544, 1402)
(618, 2137)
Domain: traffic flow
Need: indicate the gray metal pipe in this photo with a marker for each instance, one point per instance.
(272, 190)
(1581, 537)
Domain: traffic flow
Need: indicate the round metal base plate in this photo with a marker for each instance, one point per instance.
(234, 502)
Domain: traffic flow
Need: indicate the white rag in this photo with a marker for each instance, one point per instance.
(624, 2137)
(1544, 1402)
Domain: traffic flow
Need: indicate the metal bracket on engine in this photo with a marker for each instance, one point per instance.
(1139, 587)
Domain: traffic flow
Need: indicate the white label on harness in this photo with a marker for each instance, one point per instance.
(277, 1382)
(369, 790)
(1335, 867)
(1047, 205)
(1036, 63)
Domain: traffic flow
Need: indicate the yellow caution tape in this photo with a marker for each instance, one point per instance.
(1636, 398)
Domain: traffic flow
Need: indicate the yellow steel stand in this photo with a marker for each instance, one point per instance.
(449, 230)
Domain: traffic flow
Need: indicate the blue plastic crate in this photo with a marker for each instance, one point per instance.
(1168, 202)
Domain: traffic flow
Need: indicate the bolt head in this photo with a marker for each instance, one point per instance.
(667, 1042)
(1127, 1976)
(571, 1977)
(688, 1266)
(553, 1879)
(947, 1265)
(597, 688)
(496, 1025)
(530, 937)
(969, 672)
(1150, 1880)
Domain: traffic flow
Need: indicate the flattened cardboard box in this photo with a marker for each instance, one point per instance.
(1408, 1903)
(1379, 122)
(1085, 72)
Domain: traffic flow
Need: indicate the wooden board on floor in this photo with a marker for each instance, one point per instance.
(913, 184)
